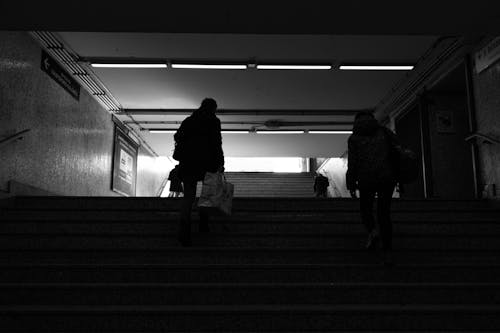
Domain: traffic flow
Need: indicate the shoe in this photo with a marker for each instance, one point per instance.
(373, 240)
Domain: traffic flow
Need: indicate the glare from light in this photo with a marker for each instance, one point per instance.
(375, 68)
(280, 132)
(323, 67)
(330, 132)
(129, 65)
(206, 66)
(264, 164)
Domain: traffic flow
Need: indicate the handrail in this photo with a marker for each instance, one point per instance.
(486, 139)
(13, 137)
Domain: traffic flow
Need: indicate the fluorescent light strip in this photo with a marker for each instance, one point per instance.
(129, 65)
(324, 67)
(205, 66)
(330, 132)
(374, 68)
(280, 132)
(162, 131)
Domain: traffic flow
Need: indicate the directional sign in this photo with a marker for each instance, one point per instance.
(58, 74)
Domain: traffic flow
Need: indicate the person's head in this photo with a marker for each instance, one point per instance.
(365, 123)
(208, 105)
(363, 115)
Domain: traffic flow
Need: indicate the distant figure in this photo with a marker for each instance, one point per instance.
(175, 183)
(320, 185)
(371, 170)
(199, 150)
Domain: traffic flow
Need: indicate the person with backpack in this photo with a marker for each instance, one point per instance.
(198, 148)
(372, 169)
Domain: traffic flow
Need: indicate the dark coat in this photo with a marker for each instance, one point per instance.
(321, 183)
(175, 181)
(200, 144)
(370, 155)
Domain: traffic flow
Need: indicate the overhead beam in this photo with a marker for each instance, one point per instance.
(244, 112)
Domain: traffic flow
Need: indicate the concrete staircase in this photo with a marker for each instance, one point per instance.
(277, 265)
(269, 184)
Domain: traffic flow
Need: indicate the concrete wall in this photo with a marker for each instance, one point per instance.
(69, 149)
(487, 97)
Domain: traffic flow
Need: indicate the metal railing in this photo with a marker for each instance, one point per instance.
(14, 137)
(482, 137)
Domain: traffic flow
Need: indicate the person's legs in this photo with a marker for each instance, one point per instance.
(384, 215)
(186, 206)
(366, 198)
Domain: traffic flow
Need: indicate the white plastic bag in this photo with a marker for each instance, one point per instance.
(216, 193)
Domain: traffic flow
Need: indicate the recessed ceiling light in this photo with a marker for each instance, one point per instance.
(280, 132)
(207, 66)
(324, 67)
(375, 68)
(330, 132)
(129, 65)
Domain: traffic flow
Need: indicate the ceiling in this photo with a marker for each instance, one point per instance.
(262, 17)
(318, 99)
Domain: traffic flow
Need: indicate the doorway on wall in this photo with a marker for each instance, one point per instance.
(436, 128)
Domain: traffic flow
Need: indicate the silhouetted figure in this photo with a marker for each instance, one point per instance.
(371, 169)
(320, 185)
(175, 183)
(199, 150)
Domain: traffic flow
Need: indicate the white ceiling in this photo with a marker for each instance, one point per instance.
(250, 89)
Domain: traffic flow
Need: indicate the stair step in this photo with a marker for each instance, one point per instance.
(210, 318)
(245, 240)
(247, 273)
(240, 255)
(252, 293)
(159, 228)
(354, 216)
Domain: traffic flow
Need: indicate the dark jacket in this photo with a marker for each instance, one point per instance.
(370, 157)
(175, 181)
(321, 183)
(200, 144)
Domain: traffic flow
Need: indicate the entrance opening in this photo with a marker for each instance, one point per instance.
(267, 164)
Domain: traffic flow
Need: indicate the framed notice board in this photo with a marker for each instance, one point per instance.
(125, 153)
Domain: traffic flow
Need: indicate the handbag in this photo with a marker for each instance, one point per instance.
(216, 193)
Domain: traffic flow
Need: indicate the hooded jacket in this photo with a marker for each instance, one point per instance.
(370, 158)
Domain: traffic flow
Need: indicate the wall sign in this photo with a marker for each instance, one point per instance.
(58, 74)
(488, 55)
(124, 164)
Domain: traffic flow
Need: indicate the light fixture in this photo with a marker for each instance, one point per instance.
(323, 67)
(162, 131)
(208, 66)
(376, 67)
(280, 132)
(330, 132)
(96, 65)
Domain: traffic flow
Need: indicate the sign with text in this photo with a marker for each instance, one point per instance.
(124, 164)
(488, 55)
(58, 74)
